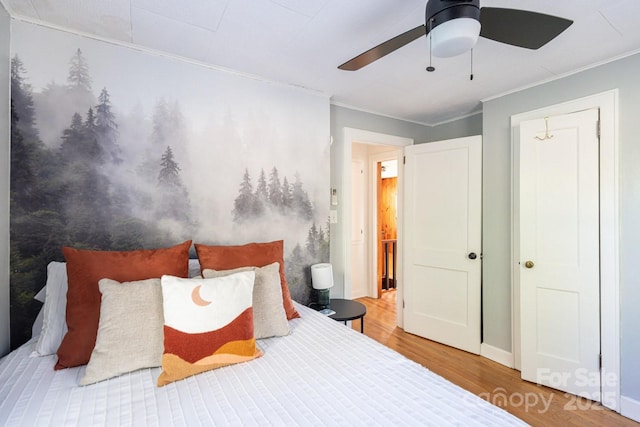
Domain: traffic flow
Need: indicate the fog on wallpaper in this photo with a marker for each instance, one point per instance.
(88, 173)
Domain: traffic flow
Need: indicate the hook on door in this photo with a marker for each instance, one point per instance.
(547, 135)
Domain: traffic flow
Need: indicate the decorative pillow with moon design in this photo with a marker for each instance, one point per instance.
(208, 324)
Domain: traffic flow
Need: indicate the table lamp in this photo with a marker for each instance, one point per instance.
(322, 281)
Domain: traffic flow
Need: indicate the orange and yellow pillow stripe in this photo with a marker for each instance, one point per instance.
(175, 368)
(195, 347)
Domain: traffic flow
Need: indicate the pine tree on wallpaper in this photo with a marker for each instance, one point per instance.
(79, 78)
(107, 127)
(173, 196)
(244, 205)
(287, 196)
(300, 200)
(275, 190)
(261, 197)
(170, 171)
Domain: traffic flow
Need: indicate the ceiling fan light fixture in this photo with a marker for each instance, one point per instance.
(453, 27)
(454, 37)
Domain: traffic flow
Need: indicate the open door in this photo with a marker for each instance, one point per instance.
(442, 241)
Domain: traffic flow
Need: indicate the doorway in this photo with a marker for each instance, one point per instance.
(366, 145)
(374, 194)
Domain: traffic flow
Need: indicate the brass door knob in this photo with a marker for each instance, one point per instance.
(529, 264)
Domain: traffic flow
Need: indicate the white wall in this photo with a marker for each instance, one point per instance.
(467, 126)
(4, 179)
(623, 75)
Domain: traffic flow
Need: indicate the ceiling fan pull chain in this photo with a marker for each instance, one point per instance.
(471, 75)
(430, 68)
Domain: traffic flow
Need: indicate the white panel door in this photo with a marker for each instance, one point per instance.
(560, 252)
(442, 235)
(359, 283)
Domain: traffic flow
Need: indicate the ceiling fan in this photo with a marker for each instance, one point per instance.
(453, 27)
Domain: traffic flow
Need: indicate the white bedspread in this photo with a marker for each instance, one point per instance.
(322, 374)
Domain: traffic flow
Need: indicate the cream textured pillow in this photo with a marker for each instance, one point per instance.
(129, 330)
(269, 316)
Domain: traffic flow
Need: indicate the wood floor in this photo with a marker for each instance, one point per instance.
(536, 405)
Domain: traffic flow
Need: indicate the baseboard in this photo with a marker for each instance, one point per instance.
(356, 294)
(497, 355)
(630, 408)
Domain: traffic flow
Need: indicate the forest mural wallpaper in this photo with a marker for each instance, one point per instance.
(117, 149)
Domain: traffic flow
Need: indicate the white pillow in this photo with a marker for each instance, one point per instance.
(40, 296)
(130, 335)
(194, 267)
(36, 328)
(54, 323)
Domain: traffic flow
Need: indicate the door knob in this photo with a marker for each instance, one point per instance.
(529, 264)
(472, 255)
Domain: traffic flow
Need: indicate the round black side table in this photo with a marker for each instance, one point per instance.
(346, 309)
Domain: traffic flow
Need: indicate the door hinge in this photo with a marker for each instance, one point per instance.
(600, 361)
(598, 129)
(402, 303)
(404, 160)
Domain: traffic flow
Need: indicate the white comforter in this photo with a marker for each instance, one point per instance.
(322, 374)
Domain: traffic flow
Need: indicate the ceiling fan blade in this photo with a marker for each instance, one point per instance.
(383, 49)
(521, 28)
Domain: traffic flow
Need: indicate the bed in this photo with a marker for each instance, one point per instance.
(319, 373)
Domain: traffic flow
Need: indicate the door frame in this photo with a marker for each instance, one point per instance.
(359, 198)
(350, 136)
(607, 102)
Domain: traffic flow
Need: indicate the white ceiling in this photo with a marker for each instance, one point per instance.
(301, 42)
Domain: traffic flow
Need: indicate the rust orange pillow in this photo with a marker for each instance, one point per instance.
(249, 255)
(85, 268)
